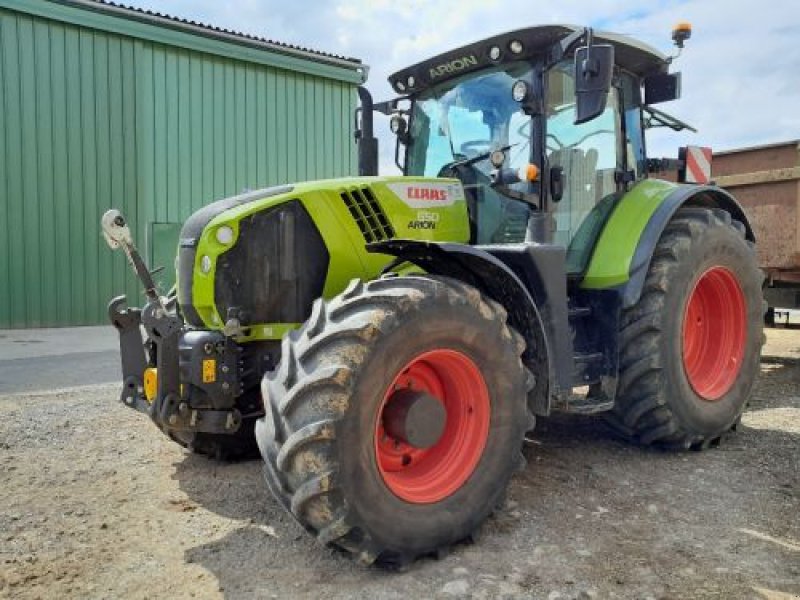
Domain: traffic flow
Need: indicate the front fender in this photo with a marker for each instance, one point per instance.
(622, 255)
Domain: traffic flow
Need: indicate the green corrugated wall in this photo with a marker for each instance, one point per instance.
(92, 119)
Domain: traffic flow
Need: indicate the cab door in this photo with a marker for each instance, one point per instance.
(590, 156)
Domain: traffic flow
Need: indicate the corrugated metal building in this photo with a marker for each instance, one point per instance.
(105, 106)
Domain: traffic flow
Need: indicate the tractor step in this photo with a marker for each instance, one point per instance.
(577, 312)
(587, 405)
(587, 368)
(587, 357)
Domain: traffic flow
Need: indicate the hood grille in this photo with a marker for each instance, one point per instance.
(368, 214)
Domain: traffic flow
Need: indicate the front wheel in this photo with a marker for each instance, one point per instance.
(690, 347)
(396, 417)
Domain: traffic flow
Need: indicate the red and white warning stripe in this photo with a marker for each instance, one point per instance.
(698, 164)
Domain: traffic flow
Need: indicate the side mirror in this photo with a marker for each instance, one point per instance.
(594, 67)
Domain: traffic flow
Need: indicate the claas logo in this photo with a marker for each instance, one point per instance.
(415, 193)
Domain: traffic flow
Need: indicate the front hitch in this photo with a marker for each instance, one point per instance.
(127, 322)
(170, 407)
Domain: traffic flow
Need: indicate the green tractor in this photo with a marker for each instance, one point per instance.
(387, 341)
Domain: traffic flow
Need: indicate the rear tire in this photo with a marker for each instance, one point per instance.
(321, 436)
(690, 347)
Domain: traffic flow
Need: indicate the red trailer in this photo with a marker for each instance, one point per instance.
(766, 181)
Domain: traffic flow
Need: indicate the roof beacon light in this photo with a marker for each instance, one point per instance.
(494, 53)
(681, 32)
(515, 46)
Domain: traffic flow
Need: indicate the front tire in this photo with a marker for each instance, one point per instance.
(690, 347)
(324, 439)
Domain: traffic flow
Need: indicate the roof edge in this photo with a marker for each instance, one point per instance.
(753, 148)
(631, 53)
(173, 31)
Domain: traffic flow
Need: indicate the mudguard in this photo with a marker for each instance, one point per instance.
(524, 304)
(622, 255)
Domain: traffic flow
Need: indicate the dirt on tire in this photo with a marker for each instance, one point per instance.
(95, 503)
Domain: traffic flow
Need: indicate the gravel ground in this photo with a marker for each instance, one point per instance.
(95, 503)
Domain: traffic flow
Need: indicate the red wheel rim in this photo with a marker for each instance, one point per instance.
(423, 476)
(714, 331)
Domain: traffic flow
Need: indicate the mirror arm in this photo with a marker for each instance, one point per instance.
(566, 45)
(397, 143)
(589, 65)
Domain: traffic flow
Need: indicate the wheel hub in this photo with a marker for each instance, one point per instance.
(714, 333)
(414, 417)
(432, 426)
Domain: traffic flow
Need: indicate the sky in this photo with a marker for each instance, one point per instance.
(741, 68)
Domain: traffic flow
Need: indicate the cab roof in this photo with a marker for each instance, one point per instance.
(630, 54)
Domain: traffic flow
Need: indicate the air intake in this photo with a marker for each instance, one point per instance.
(367, 214)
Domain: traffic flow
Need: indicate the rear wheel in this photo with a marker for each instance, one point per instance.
(396, 417)
(690, 347)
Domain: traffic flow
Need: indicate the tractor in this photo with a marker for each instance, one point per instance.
(385, 342)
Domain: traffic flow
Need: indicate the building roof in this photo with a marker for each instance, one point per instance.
(106, 15)
(198, 27)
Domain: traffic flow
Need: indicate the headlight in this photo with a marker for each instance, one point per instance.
(398, 125)
(519, 91)
(225, 235)
(205, 264)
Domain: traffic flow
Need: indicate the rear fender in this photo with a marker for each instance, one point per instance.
(622, 255)
(496, 280)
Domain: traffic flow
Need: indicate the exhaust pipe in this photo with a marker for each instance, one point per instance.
(365, 138)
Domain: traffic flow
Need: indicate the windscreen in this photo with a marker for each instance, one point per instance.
(455, 126)
(469, 117)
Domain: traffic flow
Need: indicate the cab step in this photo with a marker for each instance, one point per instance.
(587, 405)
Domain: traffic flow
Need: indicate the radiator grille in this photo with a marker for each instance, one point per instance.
(367, 214)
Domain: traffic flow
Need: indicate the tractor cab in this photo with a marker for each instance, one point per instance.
(543, 127)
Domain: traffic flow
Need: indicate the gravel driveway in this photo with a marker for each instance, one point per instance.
(96, 503)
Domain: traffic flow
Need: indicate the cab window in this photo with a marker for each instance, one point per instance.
(588, 155)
